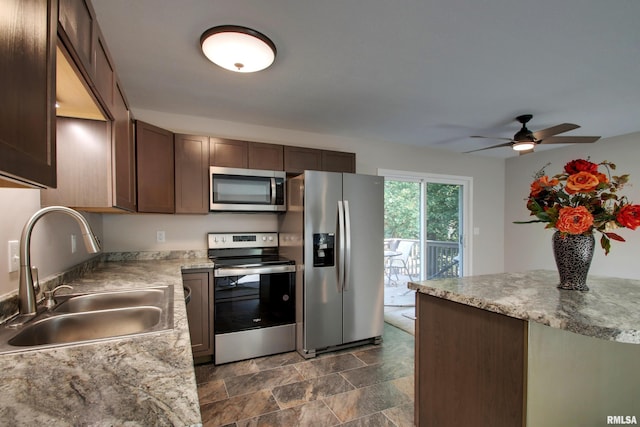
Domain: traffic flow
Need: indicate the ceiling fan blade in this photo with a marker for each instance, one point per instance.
(570, 140)
(506, 144)
(554, 130)
(491, 137)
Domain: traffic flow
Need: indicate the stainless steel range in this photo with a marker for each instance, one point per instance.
(254, 296)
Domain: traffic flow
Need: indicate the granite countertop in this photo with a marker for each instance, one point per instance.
(608, 311)
(137, 380)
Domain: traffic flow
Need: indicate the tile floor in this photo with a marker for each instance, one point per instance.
(363, 386)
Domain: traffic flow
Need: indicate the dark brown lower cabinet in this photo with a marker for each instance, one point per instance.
(200, 311)
(470, 366)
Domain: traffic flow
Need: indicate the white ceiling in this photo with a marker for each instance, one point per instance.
(420, 72)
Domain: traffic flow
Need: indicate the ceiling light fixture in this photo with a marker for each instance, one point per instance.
(237, 48)
(523, 146)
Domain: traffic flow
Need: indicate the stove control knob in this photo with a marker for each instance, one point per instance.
(264, 238)
(224, 239)
(271, 238)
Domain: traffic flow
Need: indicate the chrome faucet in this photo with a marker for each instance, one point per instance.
(26, 290)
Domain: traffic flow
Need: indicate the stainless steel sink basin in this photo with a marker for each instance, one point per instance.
(107, 300)
(92, 317)
(91, 325)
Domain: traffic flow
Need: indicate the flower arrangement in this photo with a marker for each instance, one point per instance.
(583, 199)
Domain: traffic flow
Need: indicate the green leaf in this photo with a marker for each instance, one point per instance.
(605, 243)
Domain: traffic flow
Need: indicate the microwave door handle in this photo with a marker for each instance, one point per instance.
(273, 191)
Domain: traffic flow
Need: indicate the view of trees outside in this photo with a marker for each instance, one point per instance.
(443, 202)
(402, 210)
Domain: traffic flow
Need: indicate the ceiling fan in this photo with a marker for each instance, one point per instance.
(524, 141)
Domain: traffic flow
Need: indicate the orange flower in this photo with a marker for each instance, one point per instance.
(574, 220)
(602, 178)
(542, 183)
(629, 216)
(581, 182)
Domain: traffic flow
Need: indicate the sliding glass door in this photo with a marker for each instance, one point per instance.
(425, 221)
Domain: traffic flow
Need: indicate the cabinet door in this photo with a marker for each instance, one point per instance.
(200, 312)
(154, 155)
(338, 161)
(299, 159)
(103, 73)
(266, 156)
(76, 19)
(124, 155)
(27, 84)
(192, 174)
(228, 153)
(470, 366)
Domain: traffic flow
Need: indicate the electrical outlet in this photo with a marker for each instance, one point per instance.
(160, 237)
(14, 255)
(74, 245)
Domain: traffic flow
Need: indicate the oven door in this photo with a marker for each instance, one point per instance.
(253, 297)
(246, 190)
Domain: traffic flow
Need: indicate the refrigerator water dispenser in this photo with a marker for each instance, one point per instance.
(323, 250)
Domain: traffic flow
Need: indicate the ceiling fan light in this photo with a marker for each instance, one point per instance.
(237, 48)
(523, 146)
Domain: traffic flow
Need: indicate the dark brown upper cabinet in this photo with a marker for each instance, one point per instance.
(27, 84)
(77, 27)
(266, 156)
(192, 174)
(228, 153)
(338, 161)
(299, 159)
(155, 169)
(124, 154)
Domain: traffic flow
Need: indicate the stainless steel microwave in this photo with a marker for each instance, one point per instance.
(246, 190)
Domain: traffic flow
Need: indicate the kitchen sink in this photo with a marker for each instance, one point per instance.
(108, 300)
(91, 325)
(91, 317)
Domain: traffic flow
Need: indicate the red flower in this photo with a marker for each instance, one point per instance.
(580, 165)
(574, 220)
(629, 216)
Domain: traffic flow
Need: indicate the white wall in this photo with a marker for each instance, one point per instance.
(51, 238)
(528, 246)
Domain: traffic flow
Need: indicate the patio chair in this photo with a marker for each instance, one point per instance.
(401, 262)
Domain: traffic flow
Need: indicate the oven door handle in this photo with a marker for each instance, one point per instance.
(243, 271)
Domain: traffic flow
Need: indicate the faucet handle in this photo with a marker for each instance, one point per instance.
(36, 280)
(50, 295)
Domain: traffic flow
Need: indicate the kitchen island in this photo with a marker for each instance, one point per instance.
(140, 380)
(513, 350)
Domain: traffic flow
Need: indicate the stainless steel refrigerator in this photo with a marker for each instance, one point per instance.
(334, 230)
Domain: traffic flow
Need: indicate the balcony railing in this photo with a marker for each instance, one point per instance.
(442, 259)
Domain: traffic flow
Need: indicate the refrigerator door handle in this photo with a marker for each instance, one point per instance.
(347, 245)
(341, 246)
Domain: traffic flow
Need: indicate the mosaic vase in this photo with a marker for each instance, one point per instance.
(573, 254)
